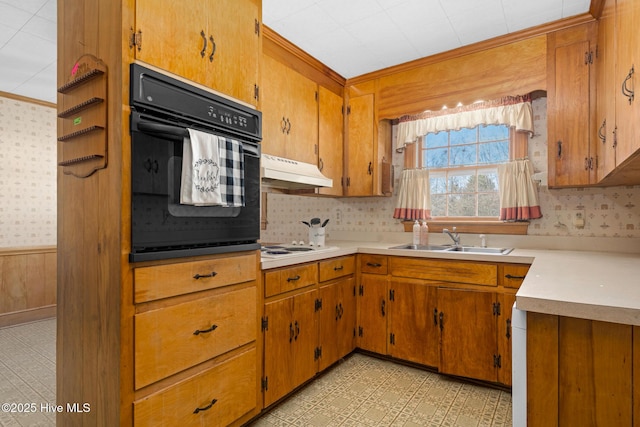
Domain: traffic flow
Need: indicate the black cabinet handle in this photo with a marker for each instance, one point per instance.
(337, 312)
(602, 131)
(283, 124)
(441, 321)
(508, 328)
(202, 276)
(213, 48)
(374, 264)
(204, 39)
(338, 268)
(320, 164)
(382, 304)
(509, 276)
(625, 90)
(288, 126)
(370, 169)
(297, 325)
(213, 402)
(290, 332)
(559, 148)
(205, 331)
(293, 279)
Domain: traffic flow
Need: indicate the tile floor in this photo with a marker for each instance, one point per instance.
(28, 372)
(359, 391)
(366, 391)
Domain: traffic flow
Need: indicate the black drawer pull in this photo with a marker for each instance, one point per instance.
(338, 268)
(374, 264)
(213, 402)
(509, 276)
(205, 331)
(293, 279)
(202, 276)
(508, 328)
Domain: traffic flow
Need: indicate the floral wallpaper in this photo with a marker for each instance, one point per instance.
(608, 212)
(27, 174)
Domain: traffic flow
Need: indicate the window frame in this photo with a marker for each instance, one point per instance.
(518, 148)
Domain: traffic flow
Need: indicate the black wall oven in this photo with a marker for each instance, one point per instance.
(162, 109)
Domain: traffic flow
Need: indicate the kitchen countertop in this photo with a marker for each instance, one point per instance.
(601, 286)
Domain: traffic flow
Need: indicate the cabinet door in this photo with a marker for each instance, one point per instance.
(330, 139)
(568, 108)
(289, 343)
(337, 321)
(360, 146)
(628, 57)
(290, 113)
(504, 337)
(273, 94)
(413, 325)
(372, 313)
(468, 333)
(606, 92)
(233, 54)
(173, 36)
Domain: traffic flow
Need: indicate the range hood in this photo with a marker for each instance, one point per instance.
(278, 172)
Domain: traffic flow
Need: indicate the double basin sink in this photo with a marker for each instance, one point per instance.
(451, 248)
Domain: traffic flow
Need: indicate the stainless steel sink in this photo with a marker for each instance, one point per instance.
(449, 248)
(421, 247)
(479, 250)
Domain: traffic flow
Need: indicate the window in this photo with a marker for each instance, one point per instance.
(463, 169)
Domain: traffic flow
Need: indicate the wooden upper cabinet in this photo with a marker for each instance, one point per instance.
(330, 139)
(627, 20)
(360, 146)
(212, 42)
(290, 113)
(606, 92)
(571, 107)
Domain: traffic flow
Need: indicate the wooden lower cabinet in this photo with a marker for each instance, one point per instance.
(413, 327)
(581, 372)
(306, 329)
(468, 333)
(289, 344)
(451, 315)
(215, 397)
(372, 313)
(337, 321)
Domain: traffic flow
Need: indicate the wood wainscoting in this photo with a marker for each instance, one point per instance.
(28, 278)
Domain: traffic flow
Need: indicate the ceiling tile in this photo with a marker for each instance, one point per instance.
(30, 6)
(13, 17)
(42, 28)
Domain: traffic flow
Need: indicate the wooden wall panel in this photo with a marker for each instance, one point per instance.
(27, 284)
(511, 69)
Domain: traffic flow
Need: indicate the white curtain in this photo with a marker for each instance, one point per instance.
(518, 192)
(414, 196)
(514, 111)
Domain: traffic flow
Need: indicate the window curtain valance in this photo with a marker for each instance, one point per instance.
(514, 111)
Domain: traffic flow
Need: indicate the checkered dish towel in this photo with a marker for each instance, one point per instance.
(231, 172)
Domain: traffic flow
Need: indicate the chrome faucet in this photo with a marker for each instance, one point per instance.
(454, 236)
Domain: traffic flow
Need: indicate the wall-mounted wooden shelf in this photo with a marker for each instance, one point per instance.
(83, 110)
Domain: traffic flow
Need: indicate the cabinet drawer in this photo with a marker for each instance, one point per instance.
(220, 395)
(162, 281)
(334, 268)
(171, 339)
(512, 275)
(279, 281)
(373, 264)
(444, 270)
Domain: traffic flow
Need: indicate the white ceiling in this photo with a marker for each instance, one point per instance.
(352, 37)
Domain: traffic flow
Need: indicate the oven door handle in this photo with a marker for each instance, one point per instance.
(177, 133)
